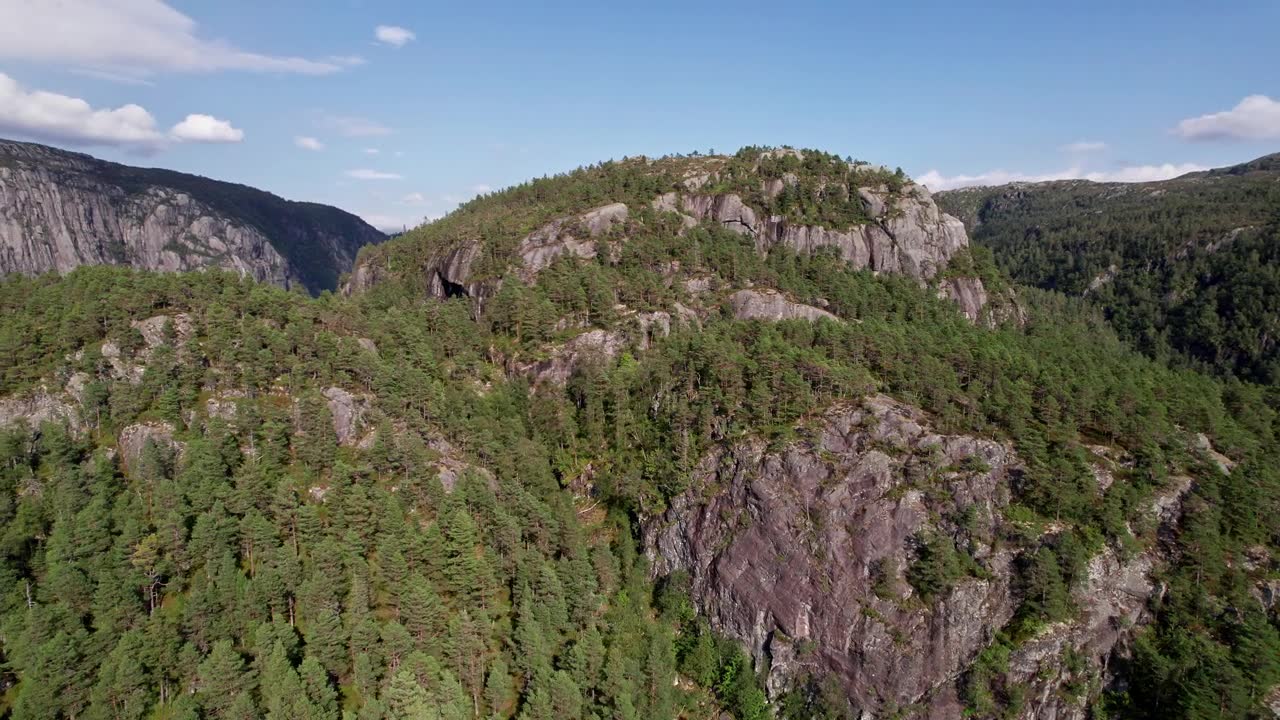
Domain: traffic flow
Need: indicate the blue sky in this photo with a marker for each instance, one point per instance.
(462, 97)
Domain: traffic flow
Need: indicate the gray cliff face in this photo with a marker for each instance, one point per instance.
(800, 554)
(771, 305)
(60, 210)
(907, 233)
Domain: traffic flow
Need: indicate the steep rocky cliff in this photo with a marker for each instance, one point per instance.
(804, 554)
(60, 210)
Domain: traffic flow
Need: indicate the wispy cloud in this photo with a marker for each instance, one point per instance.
(353, 126)
(1084, 146)
(367, 174)
(308, 143)
(1257, 117)
(347, 60)
(393, 35)
(128, 39)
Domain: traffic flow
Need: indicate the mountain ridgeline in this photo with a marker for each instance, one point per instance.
(60, 210)
(751, 436)
(1188, 269)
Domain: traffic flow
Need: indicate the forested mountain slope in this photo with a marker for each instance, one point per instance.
(1186, 269)
(60, 210)
(615, 445)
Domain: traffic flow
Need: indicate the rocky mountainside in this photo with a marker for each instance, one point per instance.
(60, 210)
(683, 438)
(1186, 269)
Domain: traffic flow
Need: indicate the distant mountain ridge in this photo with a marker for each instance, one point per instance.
(1185, 267)
(60, 210)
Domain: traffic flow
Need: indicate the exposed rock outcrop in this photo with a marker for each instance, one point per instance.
(564, 360)
(907, 234)
(37, 408)
(967, 293)
(348, 411)
(800, 553)
(134, 438)
(573, 236)
(772, 305)
(60, 210)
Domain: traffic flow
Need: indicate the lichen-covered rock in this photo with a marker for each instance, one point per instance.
(799, 553)
(772, 305)
(35, 409)
(907, 234)
(967, 293)
(152, 329)
(134, 438)
(541, 247)
(348, 411)
(564, 360)
(1113, 602)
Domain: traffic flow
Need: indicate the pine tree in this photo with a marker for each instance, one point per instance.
(221, 680)
(498, 689)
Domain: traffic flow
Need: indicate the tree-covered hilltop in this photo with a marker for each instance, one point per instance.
(219, 499)
(805, 187)
(1186, 269)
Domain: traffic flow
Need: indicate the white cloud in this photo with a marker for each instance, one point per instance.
(481, 189)
(395, 223)
(393, 35)
(308, 143)
(1144, 173)
(54, 117)
(371, 151)
(205, 129)
(415, 198)
(1085, 146)
(61, 118)
(352, 126)
(1257, 117)
(936, 181)
(127, 38)
(367, 174)
(347, 60)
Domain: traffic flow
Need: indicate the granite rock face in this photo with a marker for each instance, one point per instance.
(133, 441)
(772, 305)
(574, 236)
(907, 233)
(60, 210)
(800, 554)
(37, 408)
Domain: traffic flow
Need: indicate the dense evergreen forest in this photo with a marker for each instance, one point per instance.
(201, 541)
(1187, 270)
